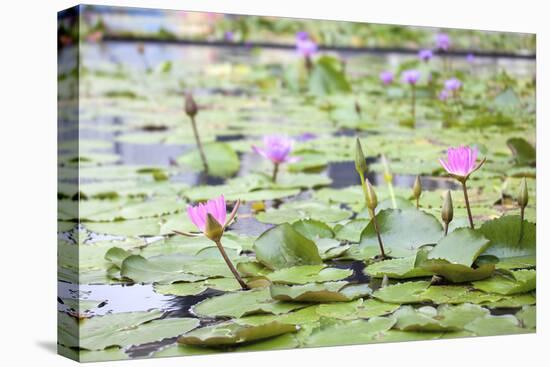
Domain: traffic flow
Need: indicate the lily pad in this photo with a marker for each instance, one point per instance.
(402, 232)
(409, 292)
(462, 246)
(358, 309)
(496, 325)
(519, 281)
(307, 274)
(292, 211)
(282, 246)
(402, 268)
(528, 317)
(508, 239)
(190, 289)
(231, 333)
(444, 318)
(238, 304)
(341, 291)
(222, 160)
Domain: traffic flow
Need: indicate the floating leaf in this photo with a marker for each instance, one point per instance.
(282, 246)
(409, 292)
(524, 153)
(444, 318)
(507, 237)
(528, 317)
(402, 268)
(231, 333)
(320, 292)
(238, 304)
(222, 160)
(189, 289)
(307, 274)
(496, 325)
(358, 309)
(292, 211)
(518, 281)
(462, 246)
(402, 232)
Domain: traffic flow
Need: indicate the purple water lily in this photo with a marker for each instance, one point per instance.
(410, 76)
(470, 58)
(425, 55)
(386, 77)
(444, 95)
(442, 41)
(452, 84)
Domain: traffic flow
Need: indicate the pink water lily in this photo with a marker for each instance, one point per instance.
(410, 76)
(461, 162)
(453, 84)
(216, 208)
(211, 219)
(443, 41)
(277, 149)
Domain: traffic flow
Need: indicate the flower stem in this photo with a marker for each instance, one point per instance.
(521, 217)
(244, 286)
(377, 230)
(446, 228)
(275, 172)
(467, 204)
(199, 144)
(413, 104)
(417, 203)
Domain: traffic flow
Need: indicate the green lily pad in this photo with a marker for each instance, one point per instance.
(163, 225)
(519, 281)
(222, 160)
(402, 268)
(238, 304)
(341, 291)
(282, 246)
(307, 274)
(313, 229)
(462, 246)
(83, 356)
(408, 292)
(358, 309)
(350, 332)
(513, 301)
(496, 325)
(456, 294)
(524, 153)
(120, 329)
(351, 231)
(190, 289)
(402, 232)
(444, 318)
(528, 317)
(292, 211)
(231, 333)
(508, 239)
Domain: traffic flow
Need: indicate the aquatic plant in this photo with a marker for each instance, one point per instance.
(425, 55)
(461, 163)
(191, 109)
(442, 41)
(306, 47)
(386, 77)
(277, 149)
(447, 210)
(372, 203)
(411, 77)
(211, 219)
(417, 190)
(453, 85)
(470, 58)
(388, 177)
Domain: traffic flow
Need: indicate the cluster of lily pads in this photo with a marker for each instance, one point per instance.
(346, 225)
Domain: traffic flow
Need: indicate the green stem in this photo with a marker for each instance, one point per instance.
(244, 286)
(467, 204)
(377, 230)
(413, 104)
(446, 228)
(275, 172)
(199, 144)
(521, 217)
(392, 195)
(417, 203)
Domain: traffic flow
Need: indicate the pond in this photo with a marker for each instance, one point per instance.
(139, 169)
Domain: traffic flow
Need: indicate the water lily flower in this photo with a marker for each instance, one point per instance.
(305, 45)
(306, 137)
(277, 149)
(410, 76)
(386, 77)
(425, 55)
(443, 41)
(470, 58)
(211, 219)
(229, 36)
(453, 84)
(461, 163)
(444, 95)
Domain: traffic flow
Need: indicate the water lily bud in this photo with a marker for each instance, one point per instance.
(385, 281)
(360, 161)
(213, 229)
(447, 208)
(372, 200)
(191, 108)
(523, 197)
(417, 188)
